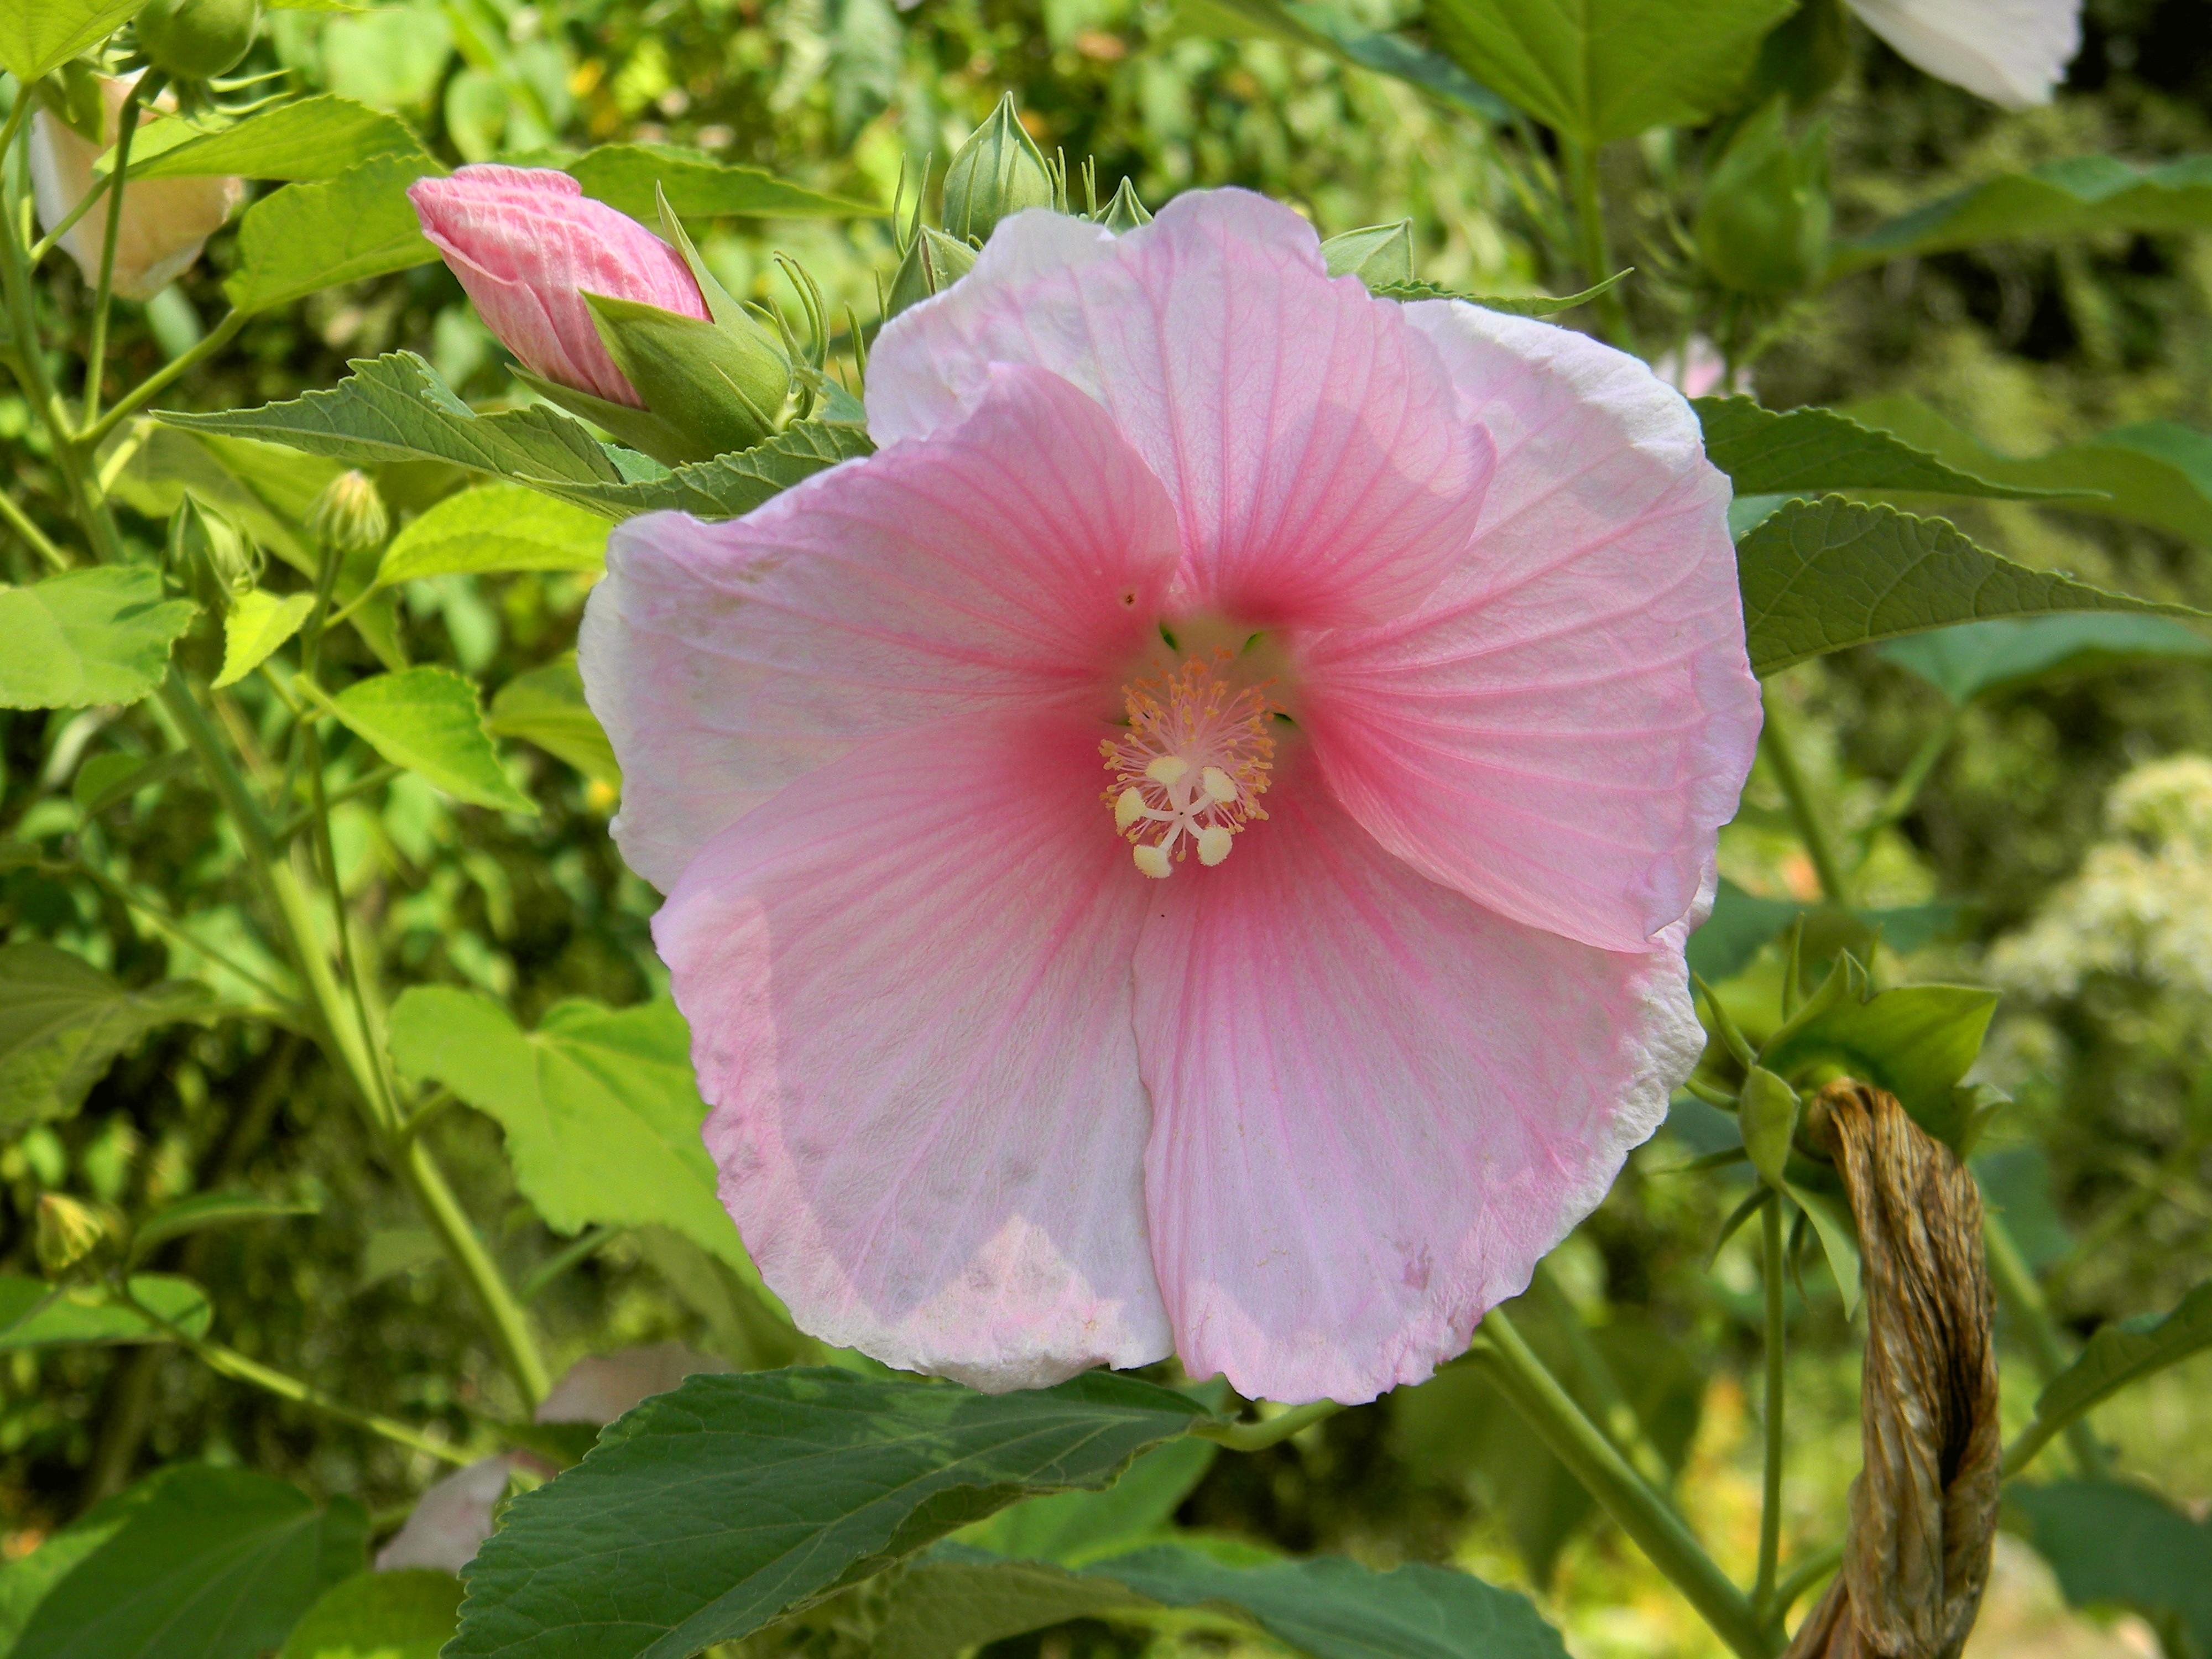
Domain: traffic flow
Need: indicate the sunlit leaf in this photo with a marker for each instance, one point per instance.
(500, 527)
(545, 706)
(310, 236)
(1819, 576)
(35, 1314)
(256, 624)
(1321, 29)
(427, 719)
(317, 137)
(708, 1512)
(698, 186)
(407, 1614)
(63, 1023)
(87, 636)
(39, 35)
(2071, 197)
(601, 1112)
(1916, 1041)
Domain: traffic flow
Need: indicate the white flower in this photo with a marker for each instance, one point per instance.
(2012, 53)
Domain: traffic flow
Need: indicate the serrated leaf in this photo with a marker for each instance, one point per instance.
(63, 1023)
(36, 1314)
(1513, 305)
(956, 1598)
(601, 1111)
(495, 529)
(1976, 659)
(87, 636)
(1916, 1041)
(708, 1511)
(546, 706)
(1072, 1528)
(2071, 197)
(731, 485)
(1742, 922)
(1805, 451)
(215, 1564)
(1321, 28)
(2113, 1545)
(428, 721)
(1595, 70)
(698, 187)
(1819, 576)
(257, 623)
(204, 1209)
(317, 137)
(2127, 1351)
(39, 35)
(2155, 472)
(24, 1582)
(406, 1614)
(313, 235)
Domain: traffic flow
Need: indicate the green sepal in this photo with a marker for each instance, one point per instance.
(997, 174)
(1764, 223)
(1768, 1117)
(933, 262)
(1126, 211)
(720, 386)
(636, 428)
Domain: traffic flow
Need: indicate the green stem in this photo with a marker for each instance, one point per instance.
(1591, 1458)
(1910, 782)
(176, 930)
(1270, 1431)
(1781, 753)
(1590, 231)
(1770, 1500)
(163, 378)
(21, 521)
(365, 784)
(541, 1278)
(91, 199)
(1615, 1416)
(95, 353)
(2022, 1300)
(1803, 1576)
(228, 1362)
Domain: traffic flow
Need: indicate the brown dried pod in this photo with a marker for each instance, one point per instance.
(1925, 1508)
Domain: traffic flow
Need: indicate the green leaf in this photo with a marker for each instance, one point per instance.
(215, 1564)
(307, 237)
(394, 408)
(2117, 1545)
(1073, 1527)
(1831, 1216)
(37, 1314)
(2125, 1352)
(1320, 28)
(2076, 197)
(1595, 70)
(24, 1583)
(1513, 305)
(203, 1210)
(427, 719)
(63, 1023)
(708, 1511)
(601, 1112)
(546, 706)
(408, 1614)
(2156, 472)
(497, 528)
(116, 775)
(698, 187)
(955, 1598)
(257, 624)
(87, 636)
(1742, 922)
(1819, 576)
(1804, 452)
(1976, 659)
(39, 35)
(317, 137)
(1916, 1041)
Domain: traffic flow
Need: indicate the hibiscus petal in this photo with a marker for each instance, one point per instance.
(2012, 53)
(908, 980)
(1375, 1105)
(1305, 431)
(1561, 730)
(1015, 555)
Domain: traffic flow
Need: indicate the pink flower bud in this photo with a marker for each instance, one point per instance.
(166, 222)
(528, 245)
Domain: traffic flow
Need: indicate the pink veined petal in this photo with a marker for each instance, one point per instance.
(1307, 434)
(1375, 1105)
(527, 244)
(1560, 731)
(908, 980)
(1018, 554)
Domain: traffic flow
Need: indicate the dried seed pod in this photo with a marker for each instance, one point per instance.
(1925, 1508)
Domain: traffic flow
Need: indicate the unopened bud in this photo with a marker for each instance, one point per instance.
(933, 262)
(210, 555)
(1126, 211)
(998, 172)
(716, 385)
(1762, 226)
(1767, 1113)
(1381, 256)
(67, 1232)
(195, 39)
(349, 516)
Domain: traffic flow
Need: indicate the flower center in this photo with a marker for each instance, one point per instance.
(1192, 766)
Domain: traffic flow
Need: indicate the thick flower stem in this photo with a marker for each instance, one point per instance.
(162, 379)
(2021, 1298)
(1615, 1415)
(1811, 828)
(1591, 1458)
(1770, 1502)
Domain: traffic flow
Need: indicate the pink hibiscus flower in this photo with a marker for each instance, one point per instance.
(1188, 846)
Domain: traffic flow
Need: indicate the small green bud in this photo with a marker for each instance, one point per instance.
(66, 1233)
(196, 40)
(349, 516)
(210, 556)
(1126, 211)
(933, 262)
(999, 171)
(1767, 1113)
(1381, 256)
(717, 386)
(1762, 226)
